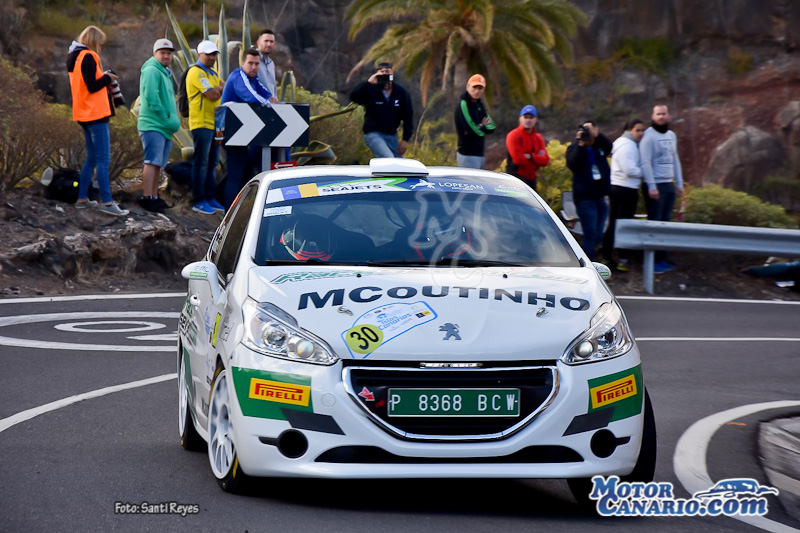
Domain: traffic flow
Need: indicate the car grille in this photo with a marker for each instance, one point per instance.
(537, 385)
(375, 455)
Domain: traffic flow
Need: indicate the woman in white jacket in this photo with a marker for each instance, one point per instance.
(626, 178)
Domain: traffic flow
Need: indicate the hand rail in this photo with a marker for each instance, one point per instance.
(651, 235)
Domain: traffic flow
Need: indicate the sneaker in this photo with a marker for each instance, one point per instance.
(84, 205)
(623, 266)
(161, 204)
(667, 266)
(215, 205)
(204, 208)
(150, 204)
(113, 209)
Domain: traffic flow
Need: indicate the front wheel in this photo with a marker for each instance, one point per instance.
(645, 467)
(221, 448)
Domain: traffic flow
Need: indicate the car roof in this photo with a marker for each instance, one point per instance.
(411, 169)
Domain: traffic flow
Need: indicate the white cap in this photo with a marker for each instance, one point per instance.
(207, 47)
(163, 44)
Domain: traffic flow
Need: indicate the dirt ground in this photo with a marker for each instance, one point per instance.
(52, 248)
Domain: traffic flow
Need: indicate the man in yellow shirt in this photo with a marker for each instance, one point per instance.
(203, 90)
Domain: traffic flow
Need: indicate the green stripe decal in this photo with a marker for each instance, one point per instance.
(264, 394)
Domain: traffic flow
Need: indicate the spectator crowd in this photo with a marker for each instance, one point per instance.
(607, 178)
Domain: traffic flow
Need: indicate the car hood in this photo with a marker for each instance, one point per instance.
(440, 314)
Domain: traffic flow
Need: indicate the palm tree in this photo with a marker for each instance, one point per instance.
(515, 41)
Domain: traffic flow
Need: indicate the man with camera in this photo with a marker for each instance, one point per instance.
(591, 182)
(386, 104)
(158, 120)
(527, 151)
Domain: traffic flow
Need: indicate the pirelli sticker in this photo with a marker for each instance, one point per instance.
(267, 394)
(276, 391)
(621, 392)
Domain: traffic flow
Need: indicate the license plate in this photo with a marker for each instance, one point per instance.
(453, 402)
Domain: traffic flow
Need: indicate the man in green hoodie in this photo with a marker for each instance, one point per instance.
(158, 120)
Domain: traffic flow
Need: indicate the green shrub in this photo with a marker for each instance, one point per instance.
(716, 205)
(650, 55)
(593, 70)
(126, 147)
(31, 131)
(434, 144)
(738, 62)
(780, 189)
(341, 132)
(555, 178)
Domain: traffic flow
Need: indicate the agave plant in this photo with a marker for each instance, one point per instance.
(185, 56)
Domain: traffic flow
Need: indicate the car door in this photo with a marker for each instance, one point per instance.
(224, 253)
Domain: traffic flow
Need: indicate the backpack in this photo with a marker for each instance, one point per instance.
(183, 97)
(64, 186)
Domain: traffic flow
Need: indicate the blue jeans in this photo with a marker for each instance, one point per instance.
(381, 144)
(98, 156)
(660, 209)
(204, 165)
(243, 163)
(470, 161)
(593, 215)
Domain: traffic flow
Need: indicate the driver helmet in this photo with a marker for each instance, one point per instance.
(308, 238)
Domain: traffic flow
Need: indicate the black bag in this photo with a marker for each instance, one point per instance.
(183, 97)
(180, 173)
(64, 186)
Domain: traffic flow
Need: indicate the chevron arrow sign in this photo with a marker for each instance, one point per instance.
(280, 125)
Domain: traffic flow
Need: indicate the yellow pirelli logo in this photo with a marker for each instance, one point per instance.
(613, 392)
(275, 391)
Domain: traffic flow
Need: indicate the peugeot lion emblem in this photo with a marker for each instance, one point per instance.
(451, 330)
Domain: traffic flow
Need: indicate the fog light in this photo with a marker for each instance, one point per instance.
(585, 349)
(303, 348)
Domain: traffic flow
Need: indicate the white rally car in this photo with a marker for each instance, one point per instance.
(394, 320)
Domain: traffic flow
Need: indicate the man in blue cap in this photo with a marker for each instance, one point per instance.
(527, 151)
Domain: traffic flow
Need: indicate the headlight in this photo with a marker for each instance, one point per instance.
(274, 332)
(608, 336)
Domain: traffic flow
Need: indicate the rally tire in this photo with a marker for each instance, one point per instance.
(190, 438)
(644, 470)
(221, 448)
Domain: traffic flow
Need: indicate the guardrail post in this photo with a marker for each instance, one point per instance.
(647, 270)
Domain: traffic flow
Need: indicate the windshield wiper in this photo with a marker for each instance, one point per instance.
(279, 262)
(446, 262)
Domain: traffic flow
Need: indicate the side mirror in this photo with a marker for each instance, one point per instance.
(204, 271)
(604, 271)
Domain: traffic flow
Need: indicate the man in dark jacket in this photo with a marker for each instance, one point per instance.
(591, 182)
(386, 104)
(472, 123)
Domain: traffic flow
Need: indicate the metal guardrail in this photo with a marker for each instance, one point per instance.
(650, 235)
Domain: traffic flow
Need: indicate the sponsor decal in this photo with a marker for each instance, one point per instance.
(509, 190)
(729, 497)
(613, 392)
(621, 391)
(380, 325)
(335, 297)
(263, 394)
(277, 211)
(198, 275)
(215, 333)
(275, 391)
(524, 272)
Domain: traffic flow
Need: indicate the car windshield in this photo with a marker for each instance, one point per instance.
(465, 222)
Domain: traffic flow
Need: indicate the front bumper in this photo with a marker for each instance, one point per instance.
(345, 441)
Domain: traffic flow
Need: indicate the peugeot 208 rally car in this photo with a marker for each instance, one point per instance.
(398, 321)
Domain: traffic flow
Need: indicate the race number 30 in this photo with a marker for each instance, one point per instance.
(364, 338)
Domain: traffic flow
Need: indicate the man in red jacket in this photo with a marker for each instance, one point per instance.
(526, 149)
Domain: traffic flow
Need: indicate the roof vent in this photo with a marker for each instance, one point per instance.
(396, 166)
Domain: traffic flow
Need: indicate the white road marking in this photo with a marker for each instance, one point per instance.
(165, 337)
(689, 461)
(711, 300)
(81, 297)
(724, 339)
(13, 420)
(52, 317)
(138, 326)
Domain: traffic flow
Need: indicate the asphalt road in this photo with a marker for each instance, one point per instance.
(65, 469)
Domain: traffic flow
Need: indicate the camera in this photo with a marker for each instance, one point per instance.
(115, 90)
(586, 135)
(385, 78)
